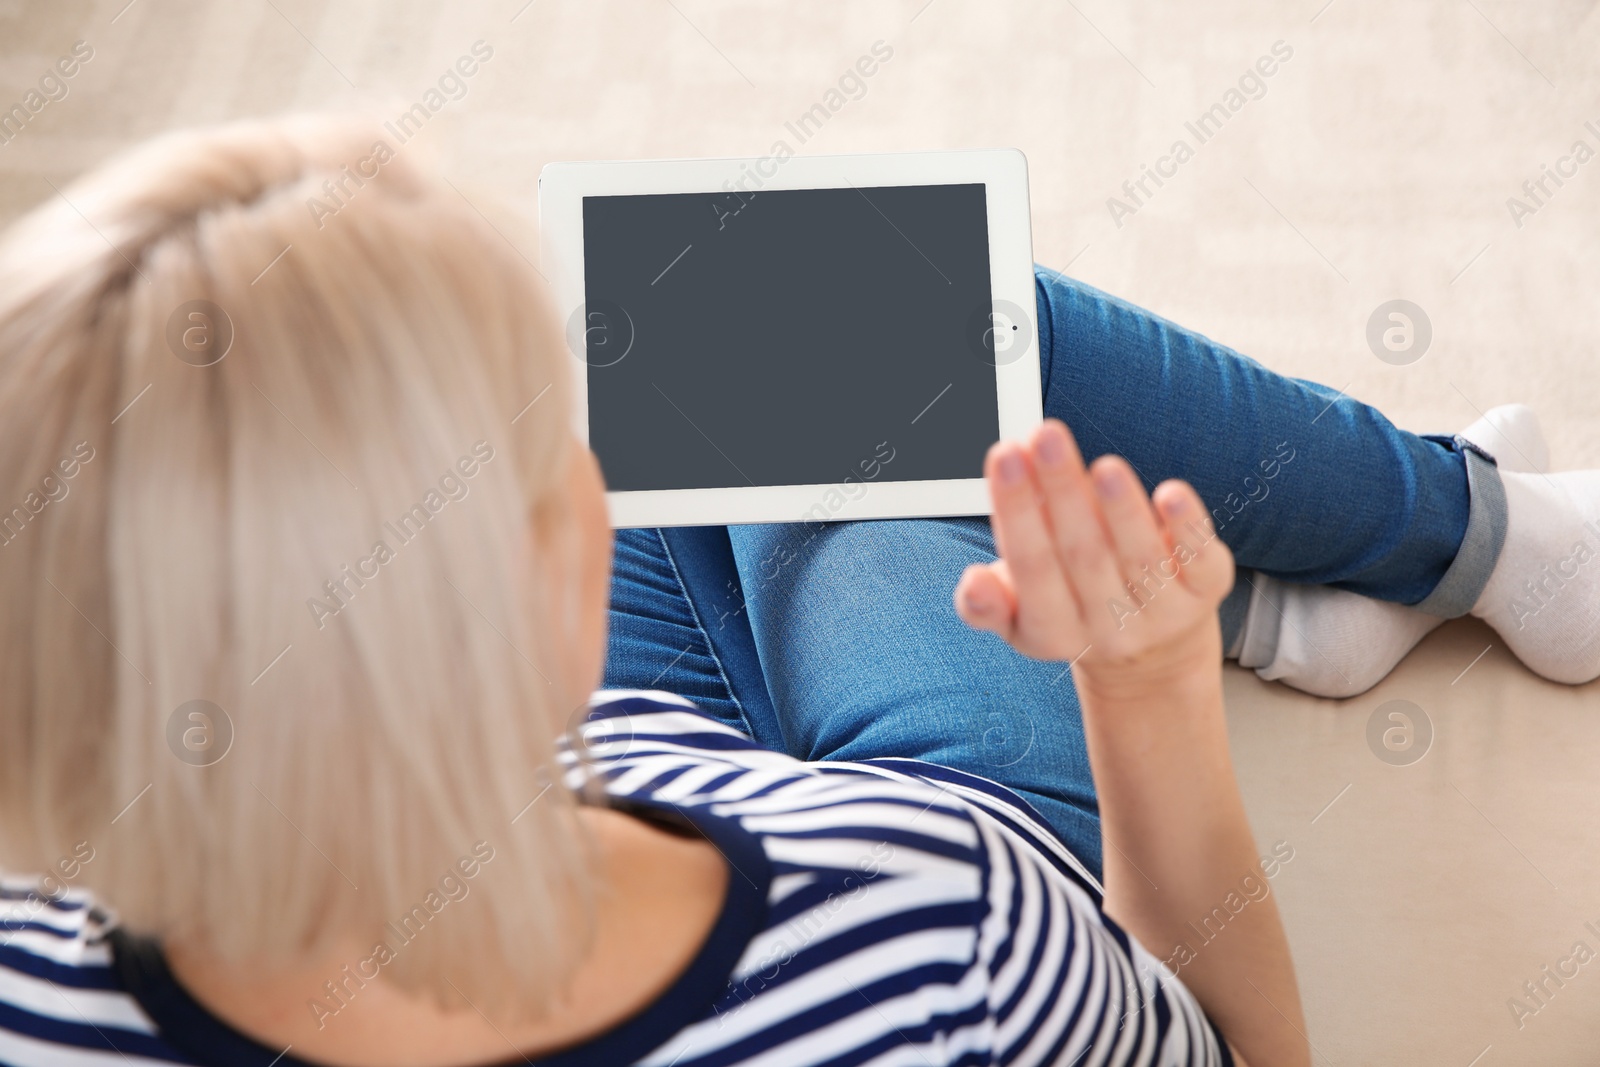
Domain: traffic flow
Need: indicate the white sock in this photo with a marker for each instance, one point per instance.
(1334, 643)
(1512, 435)
(1543, 598)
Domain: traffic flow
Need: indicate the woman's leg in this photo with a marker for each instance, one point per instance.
(863, 653)
(1304, 483)
(677, 623)
(865, 657)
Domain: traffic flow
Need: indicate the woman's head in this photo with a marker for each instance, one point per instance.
(266, 445)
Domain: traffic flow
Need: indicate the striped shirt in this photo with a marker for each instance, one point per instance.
(884, 912)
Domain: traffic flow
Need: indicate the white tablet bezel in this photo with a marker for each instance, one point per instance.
(1004, 172)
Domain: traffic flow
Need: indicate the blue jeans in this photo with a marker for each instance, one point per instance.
(838, 641)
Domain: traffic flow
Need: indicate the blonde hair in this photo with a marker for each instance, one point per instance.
(217, 494)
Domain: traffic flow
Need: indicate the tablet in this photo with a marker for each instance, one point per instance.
(795, 338)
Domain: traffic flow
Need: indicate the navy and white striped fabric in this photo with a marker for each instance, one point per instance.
(886, 912)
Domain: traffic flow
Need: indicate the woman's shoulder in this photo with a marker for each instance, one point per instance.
(60, 990)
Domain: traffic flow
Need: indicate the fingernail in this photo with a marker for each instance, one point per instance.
(1175, 506)
(1052, 449)
(1011, 469)
(1109, 483)
(978, 604)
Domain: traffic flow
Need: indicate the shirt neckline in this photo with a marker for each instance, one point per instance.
(189, 1027)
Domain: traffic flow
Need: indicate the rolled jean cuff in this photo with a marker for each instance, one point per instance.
(1463, 583)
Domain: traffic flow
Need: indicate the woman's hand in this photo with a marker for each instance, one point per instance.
(1089, 570)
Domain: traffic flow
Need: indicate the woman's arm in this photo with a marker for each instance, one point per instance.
(1090, 572)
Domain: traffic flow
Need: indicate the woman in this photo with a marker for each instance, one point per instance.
(303, 590)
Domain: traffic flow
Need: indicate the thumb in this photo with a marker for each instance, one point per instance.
(985, 598)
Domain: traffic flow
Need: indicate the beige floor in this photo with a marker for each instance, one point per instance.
(1377, 165)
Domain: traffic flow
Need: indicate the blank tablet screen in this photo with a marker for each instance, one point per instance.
(788, 337)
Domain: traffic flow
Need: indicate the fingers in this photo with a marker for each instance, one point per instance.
(1081, 539)
(986, 600)
(1084, 551)
(1023, 536)
(1136, 535)
(1207, 565)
